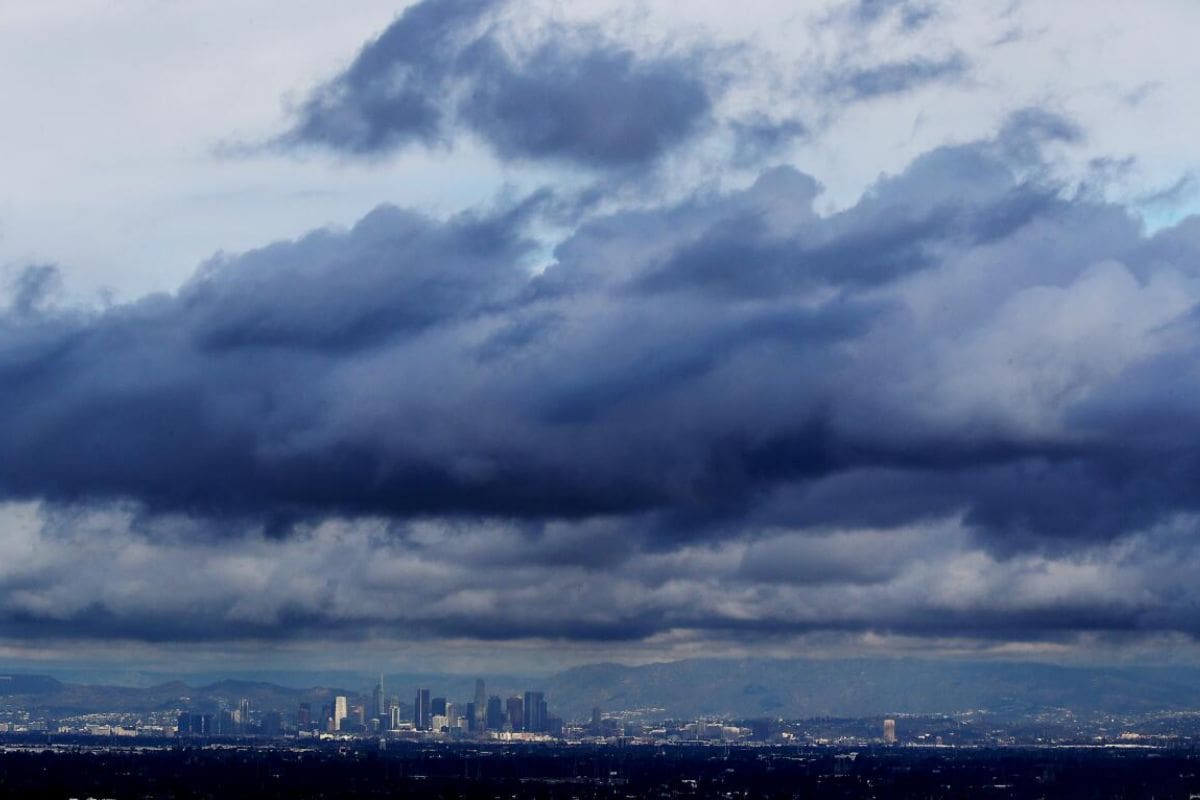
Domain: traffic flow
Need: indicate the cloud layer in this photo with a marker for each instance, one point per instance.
(962, 405)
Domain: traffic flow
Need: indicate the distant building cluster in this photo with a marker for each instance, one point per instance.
(329, 714)
(229, 722)
(527, 714)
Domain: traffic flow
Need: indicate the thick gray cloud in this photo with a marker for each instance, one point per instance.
(574, 100)
(602, 107)
(961, 406)
(487, 580)
(689, 360)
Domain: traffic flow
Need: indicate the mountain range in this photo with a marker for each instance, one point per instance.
(726, 688)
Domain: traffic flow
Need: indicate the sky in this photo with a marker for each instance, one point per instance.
(472, 334)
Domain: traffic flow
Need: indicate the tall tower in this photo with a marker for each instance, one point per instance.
(377, 710)
(516, 715)
(889, 731)
(304, 716)
(339, 711)
(495, 714)
(422, 711)
(480, 704)
(535, 711)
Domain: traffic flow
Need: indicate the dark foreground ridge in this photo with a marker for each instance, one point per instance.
(554, 772)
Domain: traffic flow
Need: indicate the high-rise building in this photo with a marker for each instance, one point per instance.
(535, 712)
(244, 714)
(438, 705)
(304, 716)
(889, 731)
(422, 712)
(272, 724)
(480, 717)
(495, 713)
(473, 719)
(377, 703)
(339, 712)
(516, 716)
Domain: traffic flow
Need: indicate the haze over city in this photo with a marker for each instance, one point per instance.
(482, 337)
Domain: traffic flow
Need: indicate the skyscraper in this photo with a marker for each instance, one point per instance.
(304, 716)
(535, 712)
(422, 712)
(495, 713)
(377, 703)
(339, 712)
(480, 718)
(889, 731)
(516, 718)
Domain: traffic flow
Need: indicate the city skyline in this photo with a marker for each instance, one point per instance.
(323, 716)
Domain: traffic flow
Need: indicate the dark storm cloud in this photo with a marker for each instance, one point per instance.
(602, 107)
(964, 403)
(97, 622)
(279, 296)
(691, 361)
(571, 99)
